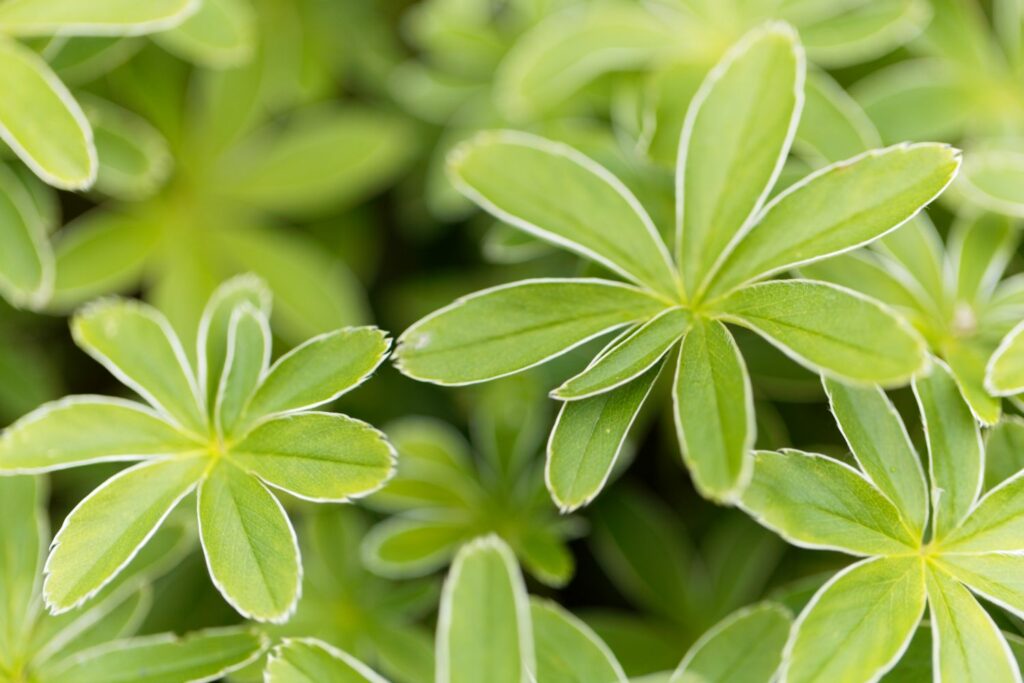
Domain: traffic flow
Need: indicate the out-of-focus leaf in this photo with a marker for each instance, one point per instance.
(133, 156)
(26, 257)
(219, 35)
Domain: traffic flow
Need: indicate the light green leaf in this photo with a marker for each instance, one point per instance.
(133, 156)
(248, 345)
(868, 274)
(317, 456)
(545, 554)
(221, 34)
(817, 502)
(41, 121)
(483, 629)
(627, 357)
(307, 660)
(996, 523)
(137, 345)
(832, 125)
(839, 208)
(165, 658)
(735, 139)
(968, 644)
(1004, 374)
(917, 247)
(587, 439)
(992, 180)
(955, 451)
(214, 334)
(100, 252)
(319, 371)
(95, 18)
(854, 33)
(568, 651)
(26, 257)
(745, 647)
(553, 192)
(105, 531)
(830, 330)
(967, 360)
(980, 247)
(1004, 451)
(880, 443)
(401, 547)
(714, 411)
(858, 625)
(919, 99)
(249, 544)
(327, 158)
(994, 576)
(22, 544)
(78, 430)
(500, 331)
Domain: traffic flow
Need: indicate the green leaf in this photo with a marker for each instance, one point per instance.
(165, 658)
(568, 651)
(553, 192)
(401, 547)
(40, 120)
(735, 139)
(955, 451)
(832, 125)
(996, 522)
(137, 345)
(319, 371)
(920, 99)
(307, 660)
(745, 647)
(869, 274)
(714, 411)
(322, 457)
(968, 644)
(830, 330)
(880, 443)
(545, 554)
(853, 33)
(26, 257)
(249, 544)
(248, 344)
(133, 157)
(1004, 451)
(994, 576)
(22, 544)
(992, 180)
(500, 331)
(628, 357)
(327, 158)
(917, 247)
(967, 360)
(858, 624)
(587, 439)
(96, 18)
(1004, 374)
(980, 247)
(221, 34)
(483, 629)
(817, 502)
(105, 531)
(839, 208)
(79, 430)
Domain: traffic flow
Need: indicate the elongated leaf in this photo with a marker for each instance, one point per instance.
(866, 273)
(134, 158)
(852, 33)
(401, 547)
(996, 524)
(880, 443)
(557, 194)
(26, 257)
(199, 656)
(996, 576)
(839, 208)
(992, 180)
(248, 346)
(967, 358)
(500, 331)
(22, 545)
(137, 345)
(832, 125)
(627, 358)
(735, 139)
(1004, 451)
(829, 330)
(79, 430)
(568, 651)
(1004, 375)
(858, 625)
(319, 371)
(97, 18)
(745, 647)
(955, 452)
(319, 456)
(307, 660)
(105, 531)
(915, 100)
(220, 34)
(980, 247)
(967, 643)
(249, 544)
(61, 152)
(587, 439)
(714, 410)
(483, 629)
(817, 502)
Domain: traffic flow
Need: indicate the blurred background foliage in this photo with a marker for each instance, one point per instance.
(304, 140)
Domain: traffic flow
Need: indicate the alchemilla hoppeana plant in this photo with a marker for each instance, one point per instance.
(613, 232)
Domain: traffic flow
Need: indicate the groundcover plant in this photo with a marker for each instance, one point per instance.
(606, 234)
